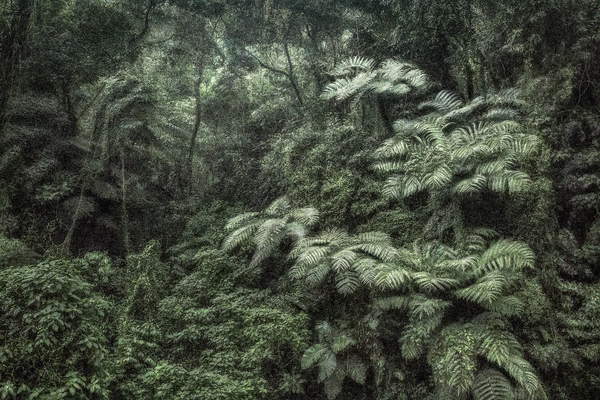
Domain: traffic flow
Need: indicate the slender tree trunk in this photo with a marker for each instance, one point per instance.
(85, 179)
(291, 75)
(124, 214)
(315, 55)
(15, 37)
(66, 244)
(469, 80)
(197, 121)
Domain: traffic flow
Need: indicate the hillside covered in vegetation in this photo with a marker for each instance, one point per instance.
(299, 199)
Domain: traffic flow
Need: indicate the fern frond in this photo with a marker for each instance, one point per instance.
(391, 276)
(240, 235)
(486, 290)
(506, 255)
(352, 65)
(445, 101)
(278, 207)
(431, 284)
(347, 282)
(491, 384)
(237, 221)
(306, 216)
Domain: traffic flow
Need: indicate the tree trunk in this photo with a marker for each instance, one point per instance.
(124, 214)
(15, 36)
(387, 122)
(189, 173)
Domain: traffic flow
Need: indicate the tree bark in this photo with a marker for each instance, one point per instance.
(387, 122)
(197, 121)
(124, 214)
(11, 47)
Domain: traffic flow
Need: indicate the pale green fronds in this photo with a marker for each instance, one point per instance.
(312, 255)
(280, 206)
(374, 237)
(366, 267)
(491, 384)
(343, 260)
(389, 166)
(499, 347)
(400, 187)
(298, 271)
(404, 127)
(497, 166)
(462, 264)
(422, 307)
(316, 275)
(486, 290)
(509, 181)
(394, 70)
(444, 101)
(397, 90)
(418, 335)
(268, 237)
(431, 131)
(525, 145)
(438, 178)
(466, 111)
(347, 282)
(507, 306)
(357, 77)
(500, 114)
(338, 90)
(295, 230)
(352, 65)
(396, 146)
(524, 374)
(240, 236)
(430, 283)
(506, 255)
(391, 277)
(380, 251)
(474, 184)
(306, 216)
(237, 221)
(312, 355)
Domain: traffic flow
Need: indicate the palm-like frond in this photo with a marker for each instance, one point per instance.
(465, 148)
(357, 77)
(491, 384)
(268, 229)
(353, 259)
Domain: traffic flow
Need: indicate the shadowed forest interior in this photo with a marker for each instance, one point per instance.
(300, 199)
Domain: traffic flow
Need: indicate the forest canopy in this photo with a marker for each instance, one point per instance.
(299, 199)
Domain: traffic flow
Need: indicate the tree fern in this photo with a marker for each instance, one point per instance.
(357, 77)
(268, 229)
(350, 258)
(465, 148)
(490, 384)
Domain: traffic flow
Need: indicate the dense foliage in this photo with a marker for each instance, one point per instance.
(293, 200)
